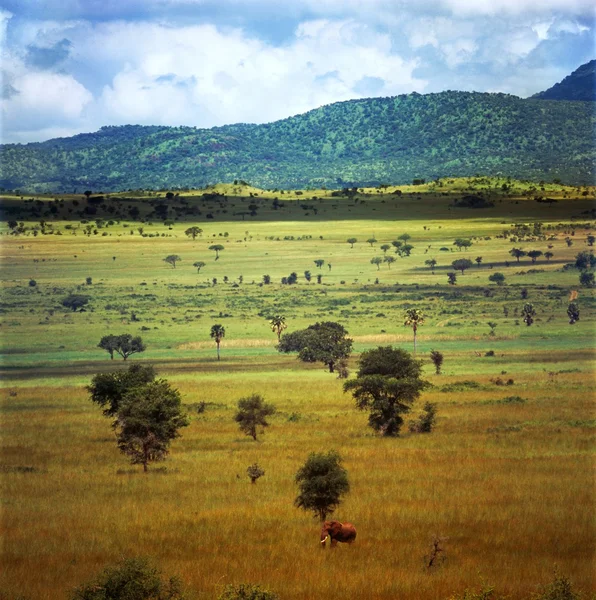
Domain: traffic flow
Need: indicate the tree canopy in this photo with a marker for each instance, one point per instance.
(324, 342)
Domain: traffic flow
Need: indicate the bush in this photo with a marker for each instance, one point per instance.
(558, 589)
(32, 283)
(131, 579)
(246, 591)
(426, 420)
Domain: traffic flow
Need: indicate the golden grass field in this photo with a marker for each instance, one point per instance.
(510, 485)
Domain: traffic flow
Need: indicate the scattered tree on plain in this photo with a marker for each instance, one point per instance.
(385, 247)
(586, 279)
(254, 472)
(217, 248)
(376, 260)
(217, 333)
(517, 252)
(387, 384)
(322, 481)
(252, 414)
(278, 324)
(324, 342)
(192, 232)
(437, 360)
(452, 278)
(534, 254)
(172, 259)
(462, 243)
(75, 302)
(585, 260)
(528, 313)
(147, 421)
(371, 241)
(548, 255)
(199, 265)
(319, 262)
(432, 263)
(497, 278)
(426, 421)
(414, 318)
(573, 313)
(478, 260)
(125, 345)
(108, 389)
(462, 264)
(389, 260)
(351, 241)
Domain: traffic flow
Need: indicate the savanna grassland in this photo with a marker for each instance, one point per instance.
(506, 477)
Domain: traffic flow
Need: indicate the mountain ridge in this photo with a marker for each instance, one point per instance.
(579, 85)
(356, 142)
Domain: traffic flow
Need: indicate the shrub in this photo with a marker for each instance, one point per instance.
(131, 579)
(559, 589)
(426, 420)
(32, 283)
(254, 472)
(246, 591)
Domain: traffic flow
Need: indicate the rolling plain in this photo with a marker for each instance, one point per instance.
(506, 478)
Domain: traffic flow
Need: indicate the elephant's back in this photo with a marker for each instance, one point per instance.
(350, 531)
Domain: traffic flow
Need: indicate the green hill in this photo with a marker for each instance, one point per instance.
(359, 142)
(580, 85)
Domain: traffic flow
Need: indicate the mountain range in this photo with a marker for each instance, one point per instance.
(357, 142)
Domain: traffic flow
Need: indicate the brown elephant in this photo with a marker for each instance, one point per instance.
(338, 532)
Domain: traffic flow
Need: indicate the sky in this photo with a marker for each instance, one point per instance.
(73, 66)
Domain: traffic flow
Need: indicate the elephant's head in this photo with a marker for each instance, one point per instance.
(329, 529)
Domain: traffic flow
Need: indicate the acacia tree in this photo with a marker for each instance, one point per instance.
(387, 384)
(497, 278)
(462, 243)
(172, 259)
(147, 421)
(252, 413)
(351, 241)
(452, 278)
(75, 302)
(534, 254)
(324, 342)
(462, 264)
(517, 252)
(478, 260)
(548, 255)
(414, 318)
(124, 345)
(432, 263)
(322, 481)
(218, 332)
(108, 389)
(192, 232)
(217, 248)
(278, 324)
(319, 262)
(199, 265)
(376, 260)
(389, 260)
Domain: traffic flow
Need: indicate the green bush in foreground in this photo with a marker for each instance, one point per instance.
(130, 579)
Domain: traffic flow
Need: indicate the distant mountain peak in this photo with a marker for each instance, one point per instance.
(580, 85)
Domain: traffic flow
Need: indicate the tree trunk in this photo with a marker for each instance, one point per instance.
(217, 350)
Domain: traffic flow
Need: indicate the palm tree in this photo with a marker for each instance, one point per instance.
(414, 318)
(278, 324)
(218, 332)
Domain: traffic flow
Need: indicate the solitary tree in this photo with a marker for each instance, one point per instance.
(590, 239)
(414, 318)
(462, 264)
(218, 332)
(534, 254)
(389, 260)
(172, 259)
(192, 232)
(478, 260)
(322, 481)
(371, 241)
(462, 243)
(325, 342)
(497, 278)
(319, 262)
(108, 389)
(252, 413)
(437, 360)
(376, 260)
(573, 313)
(548, 255)
(385, 247)
(217, 248)
(278, 324)
(452, 278)
(199, 265)
(432, 263)
(351, 241)
(307, 275)
(517, 252)
(528, 313)
(75, 302)
(586, 279)
(387, 384)
(585, 260)
(148, 419)
(254, 472)
(426, 421)
(124, 345)
(405, 237)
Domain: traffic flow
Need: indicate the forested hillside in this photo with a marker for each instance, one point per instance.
(359, 142)
(580, 85)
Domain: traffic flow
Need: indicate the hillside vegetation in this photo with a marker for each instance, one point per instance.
(359, 142)
(580, 85)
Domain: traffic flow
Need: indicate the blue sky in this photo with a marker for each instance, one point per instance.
(71, 66)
